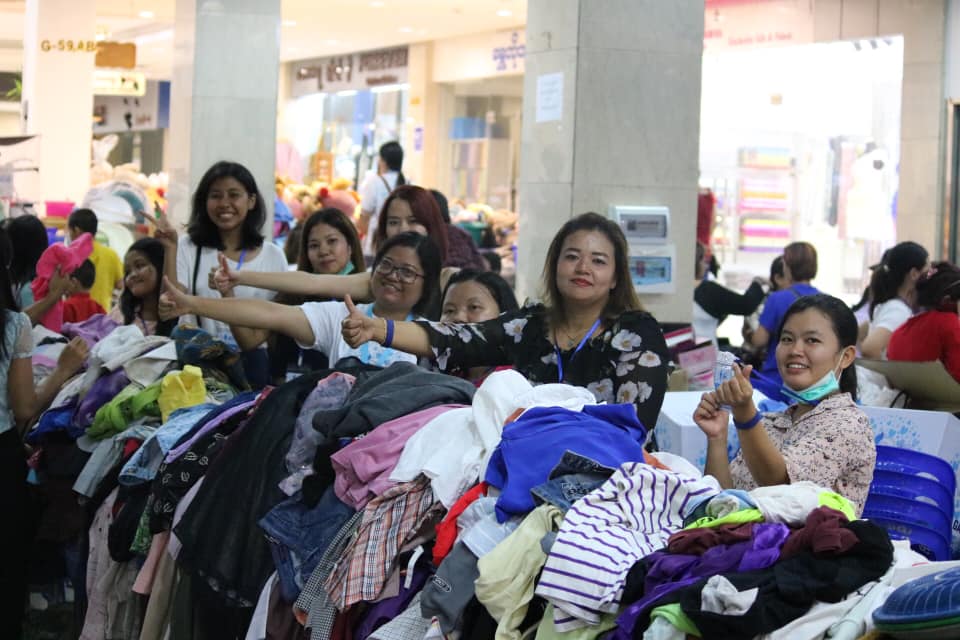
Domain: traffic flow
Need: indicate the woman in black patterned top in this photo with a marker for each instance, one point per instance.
(592, 331)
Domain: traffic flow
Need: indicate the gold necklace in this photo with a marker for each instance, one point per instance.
(574, 338)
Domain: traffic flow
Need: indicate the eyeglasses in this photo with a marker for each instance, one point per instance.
(405, 274)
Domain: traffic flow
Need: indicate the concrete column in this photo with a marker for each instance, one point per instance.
(628, 131)
(423, 114)
(57, 103)
(224, 94)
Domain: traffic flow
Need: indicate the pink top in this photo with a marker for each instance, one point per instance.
(364, 466)
(68, 258)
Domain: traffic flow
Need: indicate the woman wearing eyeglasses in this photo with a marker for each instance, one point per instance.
(404, 283)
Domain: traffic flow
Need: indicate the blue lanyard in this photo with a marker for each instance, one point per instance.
(243, 254)
(575, 351)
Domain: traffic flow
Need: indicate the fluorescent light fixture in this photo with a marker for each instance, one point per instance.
(289, 23)
(346, 94)
(504, 13)
(332, 41)
(405, 29)
(390, 87)
(377, 3)
(147, 15)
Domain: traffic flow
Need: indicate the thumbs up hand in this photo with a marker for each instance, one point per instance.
(224, 278)
(357, 328)
(173, 302)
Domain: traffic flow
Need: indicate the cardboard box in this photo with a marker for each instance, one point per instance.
(928, 384)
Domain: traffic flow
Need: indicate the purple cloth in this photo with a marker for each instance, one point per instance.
(182, 448)
(670, 572)
(103, 391)
(386, 610)
(92, 330)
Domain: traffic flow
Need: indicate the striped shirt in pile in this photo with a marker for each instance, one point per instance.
(604, 534)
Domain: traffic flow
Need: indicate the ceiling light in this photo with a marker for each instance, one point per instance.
(147, 15)
(332, 42)
(289, 23)
(405, 29)
(504, 13)
(100, 37)
(377, 3)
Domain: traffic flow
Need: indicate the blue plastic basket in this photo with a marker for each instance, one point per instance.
(918, 464)
(913, 511)
(909, 487)
(924, 541)
(920, 603)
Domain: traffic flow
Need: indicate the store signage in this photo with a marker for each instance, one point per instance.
(350, 72)
(730, 25)
(509, 56)
(119, 112)
(117, 55)
(119, 83)
(73, 46)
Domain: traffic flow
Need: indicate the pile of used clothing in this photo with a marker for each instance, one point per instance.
(394, 503)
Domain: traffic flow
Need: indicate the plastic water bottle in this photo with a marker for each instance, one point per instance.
(723, 368)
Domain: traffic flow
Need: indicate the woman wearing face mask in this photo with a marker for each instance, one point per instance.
(476, 296)
(823, 437)
(405, 280)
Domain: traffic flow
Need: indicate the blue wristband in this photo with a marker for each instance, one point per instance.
(749, 424)
(389, 339)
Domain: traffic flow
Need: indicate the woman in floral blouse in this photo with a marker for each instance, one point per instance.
(592, 331)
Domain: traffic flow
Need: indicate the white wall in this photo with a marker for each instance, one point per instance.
(9, 123)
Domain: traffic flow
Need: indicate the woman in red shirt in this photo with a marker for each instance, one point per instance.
(933, 334)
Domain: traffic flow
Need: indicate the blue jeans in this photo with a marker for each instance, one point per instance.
(574, 477)
(299, 535)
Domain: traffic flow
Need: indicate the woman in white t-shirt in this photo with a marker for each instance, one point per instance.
(893, 292)
(405, 283)
(227, 215)
(375, 189)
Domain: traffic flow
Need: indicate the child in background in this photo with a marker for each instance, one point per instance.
(79, 305)
(105, 260)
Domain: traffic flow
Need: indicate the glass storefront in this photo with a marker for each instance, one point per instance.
(803, 143)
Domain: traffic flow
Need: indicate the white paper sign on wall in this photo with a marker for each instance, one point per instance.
(549, 97)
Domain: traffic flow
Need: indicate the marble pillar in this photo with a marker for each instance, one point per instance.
(223, 94)
(626, 131)
(57, 103)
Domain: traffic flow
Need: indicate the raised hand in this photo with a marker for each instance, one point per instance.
(73, 356)
(173, 302)
(224, 279)
(357, 328)
(710, 417)
(165, 232)
(737, 393)
(59, 283)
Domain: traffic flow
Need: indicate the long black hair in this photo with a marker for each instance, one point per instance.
(896, 264)
(499, 290)
(392, 155)
(129, 305)
(844, 327)
(939, 288)
(28, 235)
(428, 305)
(7, 301)
(201, 229)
